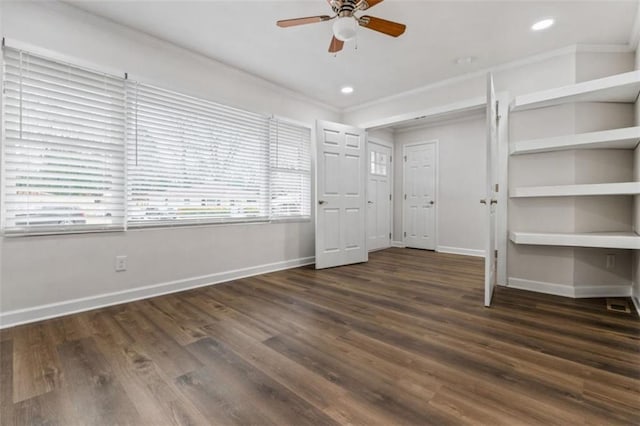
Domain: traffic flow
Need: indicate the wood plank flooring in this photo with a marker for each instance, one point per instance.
(401, 340)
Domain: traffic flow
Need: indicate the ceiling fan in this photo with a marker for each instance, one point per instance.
(346, 26)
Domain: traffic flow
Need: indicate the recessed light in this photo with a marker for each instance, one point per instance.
(542, 25)
(347, 90)
(465, 60)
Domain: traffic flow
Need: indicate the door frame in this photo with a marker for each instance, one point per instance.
(391, 170)
(436, 185)
(443, 111)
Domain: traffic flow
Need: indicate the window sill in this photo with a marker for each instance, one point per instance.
(155, 226)
(138, 227)
(61, 233)
(300, 219)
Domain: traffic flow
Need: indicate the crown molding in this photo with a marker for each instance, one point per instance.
(604, 48)
(567, 50)
(264, 82)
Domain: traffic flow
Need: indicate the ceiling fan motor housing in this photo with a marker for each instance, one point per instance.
(347, 7)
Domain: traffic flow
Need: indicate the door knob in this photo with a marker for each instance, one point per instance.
(494, 201)
(321, 202)
(369, 202)
(483, 201)
(432, 202)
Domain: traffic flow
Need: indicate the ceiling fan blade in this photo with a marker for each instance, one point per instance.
(301, 21)
(391, 28)
(367, 4)
(336, 45)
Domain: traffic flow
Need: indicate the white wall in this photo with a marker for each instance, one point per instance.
(547, 71)
(592, 65)
(38, 271)
(384, 135)
(461, 176)
(565, 266)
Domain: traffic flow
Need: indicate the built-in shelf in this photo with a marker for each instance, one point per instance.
(617, 88)
(619, 240)
(621, 188)
(626, 138)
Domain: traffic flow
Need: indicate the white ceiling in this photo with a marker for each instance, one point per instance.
(243, 34)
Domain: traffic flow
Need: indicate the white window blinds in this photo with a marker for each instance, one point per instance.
(290, 146)
(191, 160)
(63, 149)
(85, 151)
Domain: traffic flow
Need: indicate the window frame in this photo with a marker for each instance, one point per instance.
(75, 64)
(208, 221)
(127, 226)
(312, 144)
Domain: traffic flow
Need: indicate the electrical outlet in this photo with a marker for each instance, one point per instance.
(121, 263)
(611, 261)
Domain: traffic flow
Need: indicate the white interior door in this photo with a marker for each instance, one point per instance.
(419, 218)
(379, 197)
(340, 205)
(491, 198)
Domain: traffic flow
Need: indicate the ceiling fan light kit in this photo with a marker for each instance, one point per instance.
(346, 26)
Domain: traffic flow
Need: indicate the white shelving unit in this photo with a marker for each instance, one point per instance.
(619, 240)
(626, 138)
(617, 88)
(621, 88)
(621, 188)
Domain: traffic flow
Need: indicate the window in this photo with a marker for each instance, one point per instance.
(290, 170)
(378, 163)
(191, 160)
(63, 149)
(85, 151)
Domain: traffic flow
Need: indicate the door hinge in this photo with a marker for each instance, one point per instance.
(389, 197)
(390, 158)
(405, 234)
(389, 235)
(497, 187)
(496, 253)
(405, 158)
(405, 196)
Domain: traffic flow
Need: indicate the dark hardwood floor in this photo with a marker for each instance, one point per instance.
(403, 339)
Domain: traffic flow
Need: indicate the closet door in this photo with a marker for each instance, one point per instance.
(491, 195)
(379, 197)
(419, 209)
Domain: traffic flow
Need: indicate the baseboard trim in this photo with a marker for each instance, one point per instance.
(603, 291)
(567, 290)
(636, 303)
(379, 249)
(398, 244)
(541, 287)
(53, 310)
(458, 250)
